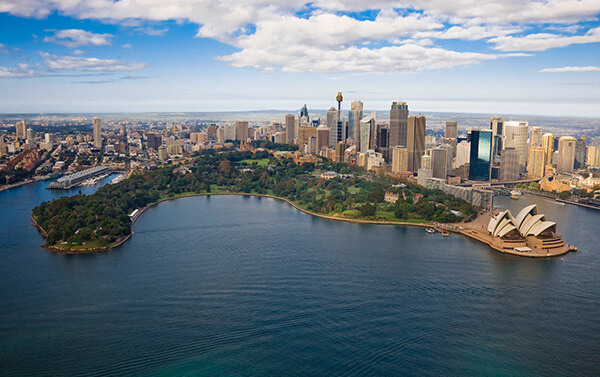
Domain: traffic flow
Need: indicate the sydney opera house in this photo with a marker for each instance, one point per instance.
(527, 233)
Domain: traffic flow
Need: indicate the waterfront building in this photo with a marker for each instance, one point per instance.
(399, 159)
(566, 154)
(515, 136)
(97, 130)
(463, 151)
(580, 153)
(536, 162)
(509, 165)
(548, 145)
(415, 141)
(290, 128)
(480, 156)
(439, 162)
(398, 124)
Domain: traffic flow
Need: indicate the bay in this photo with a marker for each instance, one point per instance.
(247, 286)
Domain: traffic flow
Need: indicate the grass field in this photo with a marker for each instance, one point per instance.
(261, 162)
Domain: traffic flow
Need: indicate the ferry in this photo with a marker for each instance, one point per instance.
(430, 230)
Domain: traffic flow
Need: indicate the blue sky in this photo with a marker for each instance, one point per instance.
(517, 56)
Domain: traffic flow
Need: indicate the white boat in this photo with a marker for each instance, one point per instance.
(516, 192)
(430, 230)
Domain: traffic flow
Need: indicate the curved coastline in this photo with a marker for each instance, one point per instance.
(475, 235)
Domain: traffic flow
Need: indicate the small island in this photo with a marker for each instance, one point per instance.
(103, 220)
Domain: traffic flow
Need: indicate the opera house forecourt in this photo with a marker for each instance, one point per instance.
(528, 234)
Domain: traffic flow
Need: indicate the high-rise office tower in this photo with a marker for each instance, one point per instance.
(322, 137)
(497, 127)
(21, 130)
(415, 141)
(509, 165)
(451, 137)
(515, 136)
(592, 154)
(481, 155)
(211, 132)
(426, 162)
(548, 145)
(290, 128)
(463, 151)
(398, 124)
(566, 154)
(449, 154)
(30, 135)
(241, 130)
(354, 117)
(304, 133)
(311, 146)
(332, 116)
(399, 159)
(580, 152)
(439, 163)
(154, 140)
(535, 137)
(382, 141)
(304, 113)
(97, 132)
(337, 132)
(536, 163)
(366, 128)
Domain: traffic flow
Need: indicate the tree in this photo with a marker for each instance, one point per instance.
(225, 166)
(367, 210)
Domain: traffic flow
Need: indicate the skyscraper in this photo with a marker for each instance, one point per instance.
(415, 141)
(290, 128)
(439, 163)
(354, 117)
(509, 165)
(463, 151)
(548, 145)
(480, 156)
(451, 137)
(241, 130)
(97, 132)
(398, 124)
(566, 154)
(535, 137)
(21, 130)
(497, 127)
(515, 136)
(537, 162)
(592, 156)
(322, 137)
(304, 113)
(366, 128)
(580, 152)
(399, 159)
(337, 133)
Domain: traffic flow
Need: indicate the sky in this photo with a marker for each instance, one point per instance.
(476, 56)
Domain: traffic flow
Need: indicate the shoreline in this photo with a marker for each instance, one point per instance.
(451, 227)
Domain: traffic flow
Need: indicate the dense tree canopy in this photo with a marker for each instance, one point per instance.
(103, 216)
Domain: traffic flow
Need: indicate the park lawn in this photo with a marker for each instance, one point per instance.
(261, 162)
(354, 190)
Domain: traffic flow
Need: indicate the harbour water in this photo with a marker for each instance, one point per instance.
(246, 286)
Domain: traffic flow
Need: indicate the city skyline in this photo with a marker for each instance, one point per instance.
(515, 57)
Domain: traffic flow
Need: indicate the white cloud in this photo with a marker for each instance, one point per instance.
(78, 52)
(270, 35)
(128, 46)
(570, 69)
(22, 71)
(77, 37)
(543, 41)
(405, 58)
(71, 63)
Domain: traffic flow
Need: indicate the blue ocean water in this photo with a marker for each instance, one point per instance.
(246, 286)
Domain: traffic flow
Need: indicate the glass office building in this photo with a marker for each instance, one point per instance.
(481, 154)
